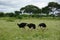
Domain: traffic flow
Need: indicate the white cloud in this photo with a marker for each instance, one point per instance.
(12, 5)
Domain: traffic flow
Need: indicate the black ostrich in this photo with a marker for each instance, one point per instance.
(22, 25)
(42, 25)
(31, 25)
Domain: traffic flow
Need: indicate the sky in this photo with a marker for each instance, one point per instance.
(13, 5)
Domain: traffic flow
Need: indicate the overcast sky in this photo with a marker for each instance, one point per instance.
(13, 5)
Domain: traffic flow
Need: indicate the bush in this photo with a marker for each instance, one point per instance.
(1, 14)
(10, 14)
(19, 17)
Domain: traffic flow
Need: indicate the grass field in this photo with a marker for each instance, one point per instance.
(10, 30)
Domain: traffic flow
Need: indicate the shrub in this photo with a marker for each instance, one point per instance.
(19, 17)
(1, 14)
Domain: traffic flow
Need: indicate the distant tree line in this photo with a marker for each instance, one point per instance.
(34, 10)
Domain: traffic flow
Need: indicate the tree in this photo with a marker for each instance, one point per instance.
(53, 6)
(46, 10)
(17, 13)
(10, 14)
(1, 14)
(30, 9)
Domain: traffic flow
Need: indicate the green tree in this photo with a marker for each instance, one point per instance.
(53, 6)
(17, 13)
(1, 14)
(30, 9)
(10, 14)
(46, 10)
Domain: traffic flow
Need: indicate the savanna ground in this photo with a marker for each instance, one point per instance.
(10, 31)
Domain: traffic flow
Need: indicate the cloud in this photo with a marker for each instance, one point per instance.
(13, 5)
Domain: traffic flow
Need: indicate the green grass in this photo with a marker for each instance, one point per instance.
(10, 30)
